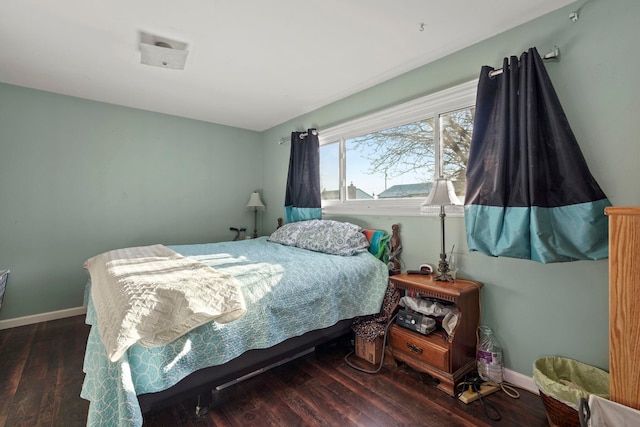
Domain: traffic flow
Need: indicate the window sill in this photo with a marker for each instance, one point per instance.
(382, 208)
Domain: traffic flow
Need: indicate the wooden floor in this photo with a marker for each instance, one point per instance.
(41, 377)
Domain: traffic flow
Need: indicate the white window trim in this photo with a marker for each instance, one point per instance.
(451, 99)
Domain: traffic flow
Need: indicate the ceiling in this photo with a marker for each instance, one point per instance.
(252, 64)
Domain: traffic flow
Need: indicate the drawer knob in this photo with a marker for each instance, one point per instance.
(414, 348)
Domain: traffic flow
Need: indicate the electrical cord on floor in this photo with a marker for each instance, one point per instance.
(487, 406)
(473, 383)
(509, 390)
(384, 344)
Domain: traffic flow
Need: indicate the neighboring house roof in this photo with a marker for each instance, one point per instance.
(335, 195)
(362, 195)
(396, 191)
(406, 190)
(330, 194)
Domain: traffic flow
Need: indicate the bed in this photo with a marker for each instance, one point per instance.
(297, 296)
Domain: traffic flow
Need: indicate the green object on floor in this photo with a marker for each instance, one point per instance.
(568, 380)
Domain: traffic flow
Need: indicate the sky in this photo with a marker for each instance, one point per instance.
(358, 173)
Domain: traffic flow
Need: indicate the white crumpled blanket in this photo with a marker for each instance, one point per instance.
(152, 296)
(432, 308)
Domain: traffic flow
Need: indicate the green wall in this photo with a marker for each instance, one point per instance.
(534, 309)
(79, 177)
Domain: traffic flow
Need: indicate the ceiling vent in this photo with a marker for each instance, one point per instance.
(161, 52)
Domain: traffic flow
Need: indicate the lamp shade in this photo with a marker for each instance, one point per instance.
(442, 194)
(255, 201)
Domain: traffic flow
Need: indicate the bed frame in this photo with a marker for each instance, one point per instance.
(198, 386)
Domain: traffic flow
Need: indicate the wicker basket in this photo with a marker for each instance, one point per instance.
(559, 414)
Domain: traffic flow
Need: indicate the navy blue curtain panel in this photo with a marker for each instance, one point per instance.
(529, 191)
(303, 200)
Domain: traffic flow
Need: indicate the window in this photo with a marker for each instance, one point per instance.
(384, 163)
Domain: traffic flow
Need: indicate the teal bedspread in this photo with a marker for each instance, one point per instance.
(288, 291)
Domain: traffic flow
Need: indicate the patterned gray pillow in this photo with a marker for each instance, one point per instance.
(287, 234)
(327, 236)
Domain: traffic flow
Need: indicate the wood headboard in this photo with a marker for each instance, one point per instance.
(395, 249)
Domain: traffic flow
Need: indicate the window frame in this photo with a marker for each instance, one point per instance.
(433, 105)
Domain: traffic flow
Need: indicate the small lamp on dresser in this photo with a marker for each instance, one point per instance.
(442, 194)
(256, 203)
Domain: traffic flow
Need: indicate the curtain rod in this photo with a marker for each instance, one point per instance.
(302, 136)
(553, 54)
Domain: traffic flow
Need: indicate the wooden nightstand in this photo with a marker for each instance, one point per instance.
(446, 358)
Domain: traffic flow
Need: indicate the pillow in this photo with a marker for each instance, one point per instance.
(378, 243)
(287, 234)
(327, 236)
(332, 237)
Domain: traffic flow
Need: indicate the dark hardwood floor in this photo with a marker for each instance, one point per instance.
(41, 377)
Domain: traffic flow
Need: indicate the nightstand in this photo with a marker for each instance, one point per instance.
(445, 357)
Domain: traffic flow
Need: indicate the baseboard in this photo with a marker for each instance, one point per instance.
(42, 317)
(521, 381)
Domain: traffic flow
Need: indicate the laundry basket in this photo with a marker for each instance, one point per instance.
(597, 412)
(562, 382)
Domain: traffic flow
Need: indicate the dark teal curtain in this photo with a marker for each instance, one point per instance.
(529, 191)
(303, 199)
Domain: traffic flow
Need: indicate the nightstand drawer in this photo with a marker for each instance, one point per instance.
(426, 348)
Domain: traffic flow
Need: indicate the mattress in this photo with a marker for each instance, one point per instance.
(288, 292)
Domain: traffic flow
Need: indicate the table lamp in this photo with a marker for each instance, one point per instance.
(255, 203)
(442, 194)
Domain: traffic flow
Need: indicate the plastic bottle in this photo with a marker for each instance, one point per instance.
(490, 366)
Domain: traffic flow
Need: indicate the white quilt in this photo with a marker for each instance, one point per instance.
(152, 295)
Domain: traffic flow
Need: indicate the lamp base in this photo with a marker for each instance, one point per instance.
(255, 223)
(443, 277)
(443, 273)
